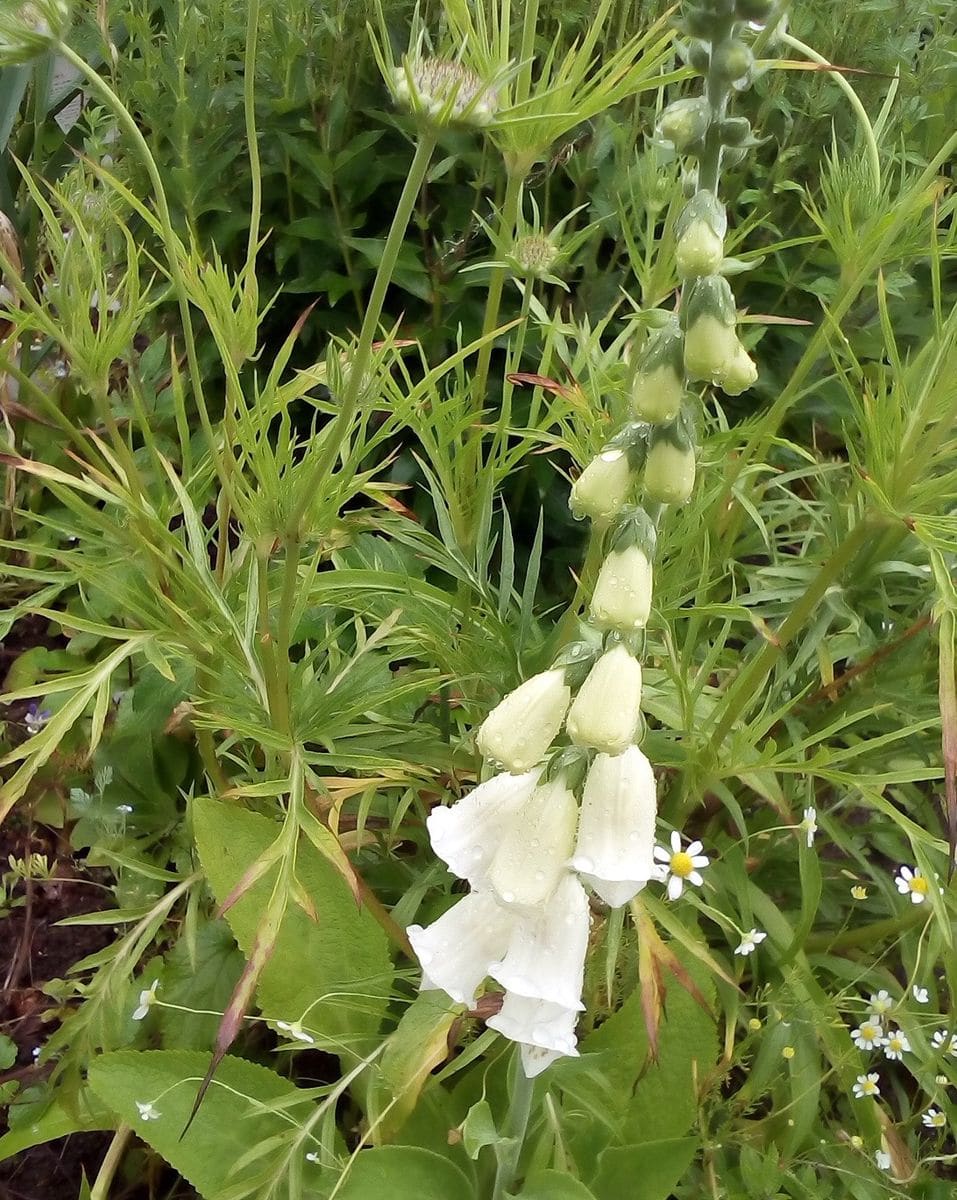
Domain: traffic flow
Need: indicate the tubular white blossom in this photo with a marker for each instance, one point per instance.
(622, 596)
(605, 713)
(533, 855)
(466, 835)
(546, 1031)
(545, 959)
(519, 730)
(455, 951)
(604, 485)
(616, 833)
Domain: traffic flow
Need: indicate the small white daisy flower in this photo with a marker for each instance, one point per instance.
(750, 941)
(869, 1035)
(680, 865)
(911, 882)
(295, 1031)
(147, 1000)
(942, 1040)
(920, 994)
(867, 1085)
(146, 1111)
(934, 1119)
(809, 825)
(896, 1044)
(312, 1156)
(881, 1003)
(883, 1159)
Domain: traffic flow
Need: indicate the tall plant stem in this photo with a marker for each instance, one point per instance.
(252, 138)
(111, 1163)
(359, 361)
(509, 1150)
(750, 681)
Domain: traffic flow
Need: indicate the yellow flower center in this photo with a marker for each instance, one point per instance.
(681, 864)
(919, 884)
(868, 1033)
(869, 1088)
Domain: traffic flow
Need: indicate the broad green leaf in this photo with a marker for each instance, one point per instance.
(241, 1109)
(83, 1115)
(404, 1173)
(554, 1185)
(333, 976)
(650, 1170)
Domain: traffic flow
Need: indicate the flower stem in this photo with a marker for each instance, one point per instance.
(110, 1165)
(509, 1149)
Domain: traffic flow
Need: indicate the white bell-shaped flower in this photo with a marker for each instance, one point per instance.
(455, 951)
(533, 855)
(615, 849)
(622, 596)
(604, 485)
(466, 835)
(519, 730)
(545, 959)
(605, 713)
(544, 1030)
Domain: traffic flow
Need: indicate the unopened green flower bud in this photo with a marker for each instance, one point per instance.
(701, 21)
(606, 483)
(658, 386)
(701, 229)
(753, 10)
(519, 730)
(735, 130)
(606, 712)
(31, 28)
(732, 61)
(670, 465)
(732, 156)
(445, 91)
(535, 254)
(699, 57)
(685, 122)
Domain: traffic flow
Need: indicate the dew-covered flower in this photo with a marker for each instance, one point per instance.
(147, 1000)
(809, 825)
(869, 1035)
(614, 852)
(455, 951)
(606, 712)
(147, 1111)
(946, 1042)
(911, 882)
(522, 726)
(680, 866)
(544, 1030)
(295, 1031)
(896, 1044)
(622, 596)
(466, 835)
(881, 1002)
(658, 386)
(867, 1085)
(604, 485)
(545, 959)
(920, 994)
(750, 942)
(35, 718)
(933, 1118)
(533, 856)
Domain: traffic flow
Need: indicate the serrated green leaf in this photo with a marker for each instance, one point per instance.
(650, 1170)
(404, 1173)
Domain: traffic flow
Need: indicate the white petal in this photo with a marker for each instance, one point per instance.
(545, 959)
(700, 860)
(534, 852)
(537, 1023)
(675, 841)
(605, 713)
(696, 879)
(455, 951)
(694, 848)
(616, 831)
(519, 730)
(662, 855)
(675, 887)
(465, 836)
(615, 894)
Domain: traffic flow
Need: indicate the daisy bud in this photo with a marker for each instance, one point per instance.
(658, 386)
(615, 849)
(670, 465)
(544, 1031)
(466, 834)
(455, 951)
(622, 596)
(532, 857)
(685, 122)
(31, 28)
(606, 483)
(606, 712)
(444, 91)
(519, 730)
(545, 959)
(701, 229)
